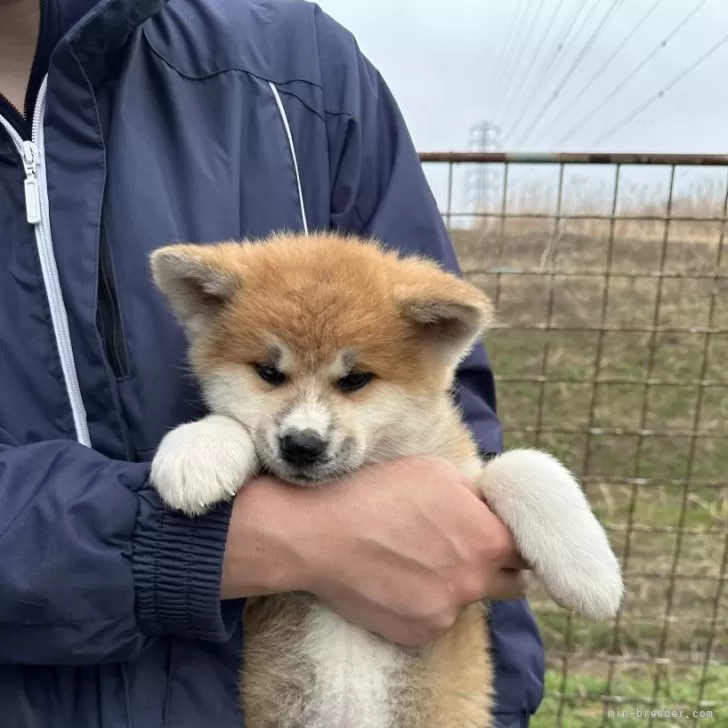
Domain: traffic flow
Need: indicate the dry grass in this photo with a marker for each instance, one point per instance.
(696, 208)
(673, 536)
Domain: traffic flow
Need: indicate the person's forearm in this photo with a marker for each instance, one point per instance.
(398, 548)
(265, 541)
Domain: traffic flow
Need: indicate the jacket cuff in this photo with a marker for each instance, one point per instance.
(177, 565)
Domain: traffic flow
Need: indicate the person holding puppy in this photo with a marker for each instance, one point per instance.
(125, 125)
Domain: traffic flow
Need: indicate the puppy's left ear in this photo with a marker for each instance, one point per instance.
(198, 281)
(447, 313)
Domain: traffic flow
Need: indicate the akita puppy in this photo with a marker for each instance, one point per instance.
(318, 355)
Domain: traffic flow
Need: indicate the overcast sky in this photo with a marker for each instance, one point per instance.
(445, 62)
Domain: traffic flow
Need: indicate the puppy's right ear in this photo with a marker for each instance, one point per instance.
(198, 280)
(447, 313)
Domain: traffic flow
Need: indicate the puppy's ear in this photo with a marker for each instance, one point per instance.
(448, 314)
(198, 280)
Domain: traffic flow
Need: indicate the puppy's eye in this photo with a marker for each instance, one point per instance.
(268, 373)
(353, 381)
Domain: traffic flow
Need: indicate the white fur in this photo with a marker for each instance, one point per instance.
(311, 414)
(228, 392)
(555, 530)
(338, 367)
(203, 463)
(353, 671)
(286, 361)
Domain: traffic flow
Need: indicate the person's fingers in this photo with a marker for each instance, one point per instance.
(508, 584)
(501, 546)
(516, 562)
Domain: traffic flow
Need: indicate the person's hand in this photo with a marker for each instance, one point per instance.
(399, 548)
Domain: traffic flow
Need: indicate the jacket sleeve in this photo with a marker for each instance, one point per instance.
(379, 189)
(92, 567)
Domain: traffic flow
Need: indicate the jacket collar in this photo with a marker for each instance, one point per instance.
(92, 27)
(92, 20)
(106, 23)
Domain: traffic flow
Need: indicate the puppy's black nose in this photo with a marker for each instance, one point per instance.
(302, 447)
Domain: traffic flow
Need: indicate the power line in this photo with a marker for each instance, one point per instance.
(632, 73)
(508, 45)
(506, 36)
(550, 25)
(540, 115)
(554, 67)
(581, 6)
(510, 86)
(660, 93)
(570, 106)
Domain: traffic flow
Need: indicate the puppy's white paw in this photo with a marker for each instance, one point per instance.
(200, 464)
(555, 530)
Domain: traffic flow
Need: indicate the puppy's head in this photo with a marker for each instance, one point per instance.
(331, 351)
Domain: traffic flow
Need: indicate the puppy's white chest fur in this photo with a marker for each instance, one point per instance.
(353, 672)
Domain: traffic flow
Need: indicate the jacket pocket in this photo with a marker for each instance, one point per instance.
(110, 323)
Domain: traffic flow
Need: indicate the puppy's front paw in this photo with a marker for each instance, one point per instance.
(200, 464)
(555, 530)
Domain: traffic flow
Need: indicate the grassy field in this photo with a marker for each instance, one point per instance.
(651, 443)
(587, 709)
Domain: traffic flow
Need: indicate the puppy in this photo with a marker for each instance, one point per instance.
(319, 355)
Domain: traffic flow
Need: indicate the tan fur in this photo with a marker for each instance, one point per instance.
(317, 308)
(277, 680)
(319, 296)
(454, 678)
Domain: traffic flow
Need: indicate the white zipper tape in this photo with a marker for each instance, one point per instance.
(37, 210)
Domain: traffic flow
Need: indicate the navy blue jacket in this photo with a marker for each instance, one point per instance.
(154, 122)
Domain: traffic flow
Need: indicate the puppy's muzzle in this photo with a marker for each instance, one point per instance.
(302, 448)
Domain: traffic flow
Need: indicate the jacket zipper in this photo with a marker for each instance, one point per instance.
(113, 333)
(37, 211)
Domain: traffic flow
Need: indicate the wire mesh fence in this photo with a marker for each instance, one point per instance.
(610, 278)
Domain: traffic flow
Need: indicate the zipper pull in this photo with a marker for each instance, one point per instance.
(32, 191)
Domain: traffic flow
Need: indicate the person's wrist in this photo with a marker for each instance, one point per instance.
(268, 541)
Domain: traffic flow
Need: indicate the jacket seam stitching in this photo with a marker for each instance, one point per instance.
(219, 72)
(286, 92)
(248, 72)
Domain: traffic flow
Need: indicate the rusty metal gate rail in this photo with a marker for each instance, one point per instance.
(611, 349)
